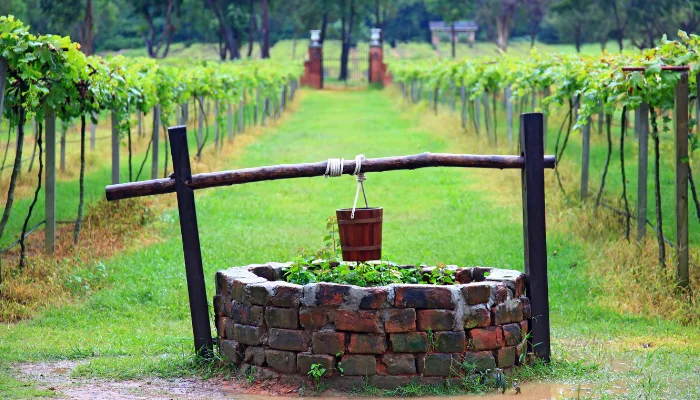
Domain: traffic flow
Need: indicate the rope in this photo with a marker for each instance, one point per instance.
(360, 176)
(334, 168)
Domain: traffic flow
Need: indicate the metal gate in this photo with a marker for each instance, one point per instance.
(357, 72)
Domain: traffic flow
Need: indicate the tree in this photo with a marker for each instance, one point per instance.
(347, 24)
(265, 25)
(451, 11)
(536, 10)
(618, 10)
(221, 9)
(153, 12)
(573, 18)
(501, 14)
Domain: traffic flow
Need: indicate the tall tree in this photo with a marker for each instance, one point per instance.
(265, 25)
(226, 30)
(536, 10)
(153, 12)
(501, 14)
(574, 18)
(251, 28)
(347, 24)
(618, 9)
(451, 11)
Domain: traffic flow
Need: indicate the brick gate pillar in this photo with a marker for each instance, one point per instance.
(313, 67)
(377, 68)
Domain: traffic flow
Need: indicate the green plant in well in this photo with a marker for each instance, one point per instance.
(249, 374)
(316, 373)
(441, 275)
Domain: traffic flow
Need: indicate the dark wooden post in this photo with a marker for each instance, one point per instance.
(681, 120)
(642, 122)
(534, 230)
(199, 310)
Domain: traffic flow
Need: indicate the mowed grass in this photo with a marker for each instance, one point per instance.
(139, 326)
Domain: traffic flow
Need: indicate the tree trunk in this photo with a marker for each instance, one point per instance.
(577, 36)
(502, 32)
(226, 31)
(265, 47)
(86, 30)
(347, 40)
(251, 28)
(324, 26)
(452, 40)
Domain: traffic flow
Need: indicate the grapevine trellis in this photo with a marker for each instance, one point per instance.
(47, 77)
(652, 84)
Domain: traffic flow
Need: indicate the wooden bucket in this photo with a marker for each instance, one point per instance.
(361, 237)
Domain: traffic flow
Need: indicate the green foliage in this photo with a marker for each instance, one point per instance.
(316, 373)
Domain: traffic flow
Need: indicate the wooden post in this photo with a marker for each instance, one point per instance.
(229, 110)
(601, 118)
(477, 114)
(156, 145)
(545, 94)
(463, 97)
(585, 157)
(50, 186)
(509, 114)
(196, 289)
(93, 129)
(64, 130)
(3, 81)
(257, 104)
(681, 122)
(452, 96)
(216, 123)
(140, 121)
(487, 118)
(534, 229)
(641, 121)
(115, 149)
(240, 116)
(200, 131)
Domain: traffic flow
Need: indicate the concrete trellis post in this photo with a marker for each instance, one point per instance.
(115, 149)
(50, 185)
(216, 123)
(641, 121)
(156, 144)
(200, 131)
(93, 129)
(509, 113)
(240, 116)
(229, 111)
(585, 157)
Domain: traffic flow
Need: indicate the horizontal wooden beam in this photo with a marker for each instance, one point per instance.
(663, 68)
(307, 170)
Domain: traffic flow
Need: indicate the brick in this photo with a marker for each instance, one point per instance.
(306, 360)
(436, 364)
(523, 328)
(511, 334)
(231, 351)
(479, 273)
(228, 307)
(374, 298)
(505, 357)
(480, 361)
(229, 330)
(238, 288)
(328, 342)
(347, 383)
(359, 365)
(400, 320)
(367, 344)
(358, 321)
(423, 296)
(259, 293)
(221, 326)
(477, 293)
(287, 339)
(500, 293)
(218, 302)
(450, 342)
(527, 309)
(264, 271)
(282, 361)
(398, 364)
(478, 316)
(436, 320)
(504, 313)
(254, 355)
(519, 353)
(489, 338)
(411, 342)
(277, 317)
(247, 315)
(463, 275)
(248, 335)
(286, 295)
(330, 294)
(388, 382)
(313, 318)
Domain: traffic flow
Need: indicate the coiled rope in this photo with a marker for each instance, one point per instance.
(334, 168)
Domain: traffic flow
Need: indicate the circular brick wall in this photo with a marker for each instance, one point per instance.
(389, 334)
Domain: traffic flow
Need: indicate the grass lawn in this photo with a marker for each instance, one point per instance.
(139, 325)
